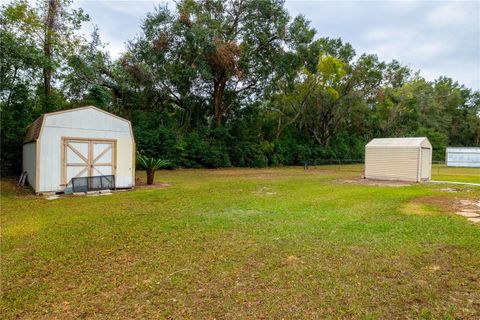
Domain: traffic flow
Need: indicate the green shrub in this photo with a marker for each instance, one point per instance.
(151, 164)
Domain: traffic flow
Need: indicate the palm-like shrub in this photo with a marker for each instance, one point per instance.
(151, 164)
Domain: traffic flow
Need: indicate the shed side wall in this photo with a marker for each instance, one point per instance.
(391, 163)
(29, 162)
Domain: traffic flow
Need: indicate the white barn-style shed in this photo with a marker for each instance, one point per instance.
(402, 159)
(82, 142)
(463, 157)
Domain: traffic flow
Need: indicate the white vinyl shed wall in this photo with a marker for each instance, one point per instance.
(44, 157)
(402, 159)
(463, 157)
(29, 161)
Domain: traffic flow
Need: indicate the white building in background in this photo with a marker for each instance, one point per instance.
(463, 157)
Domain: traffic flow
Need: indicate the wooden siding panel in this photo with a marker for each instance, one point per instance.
(391, 163)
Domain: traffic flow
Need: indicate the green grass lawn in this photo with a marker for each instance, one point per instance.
(444, 173)
(243, 243)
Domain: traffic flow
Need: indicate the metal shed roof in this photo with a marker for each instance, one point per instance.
(463, 149)
(33, 130)
(399, 142)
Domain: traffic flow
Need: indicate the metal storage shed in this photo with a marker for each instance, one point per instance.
(463, 157)
(403, 159)
(82, 142)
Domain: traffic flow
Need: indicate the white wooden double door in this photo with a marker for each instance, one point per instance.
(87, 158)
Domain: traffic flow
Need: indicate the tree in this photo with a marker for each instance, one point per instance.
(444, 111)
(39, 38)
(215, 53)
(48, 36)
(20, 63)
(60, 38)
(215, 83)
(52, 26)
(35, 42)
(21, 58)
(320, 102)
(151, 165)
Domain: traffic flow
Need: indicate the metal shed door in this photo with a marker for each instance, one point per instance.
(87, 158)
(426, 165)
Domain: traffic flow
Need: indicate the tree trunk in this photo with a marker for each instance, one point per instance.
(48, 52)
(218, 90)
(14, 78)
(150, 176)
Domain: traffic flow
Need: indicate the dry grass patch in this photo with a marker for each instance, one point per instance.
(467, 206)
(142, 184)
(380, 183)
(442, 204)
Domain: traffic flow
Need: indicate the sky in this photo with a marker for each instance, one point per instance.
(435, 37)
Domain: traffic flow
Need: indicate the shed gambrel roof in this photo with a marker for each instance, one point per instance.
(34, 130)
(399, 142)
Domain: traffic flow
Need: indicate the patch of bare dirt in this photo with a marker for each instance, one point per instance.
(293, 260)
(141, 184)
(450, 189)
(265, 191)
(382, 183)
(469, 208)
(444, 204)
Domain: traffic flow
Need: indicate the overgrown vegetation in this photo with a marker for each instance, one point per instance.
(244, 243)
(223, 83)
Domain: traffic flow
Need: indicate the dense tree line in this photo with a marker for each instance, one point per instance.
(213, 83)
